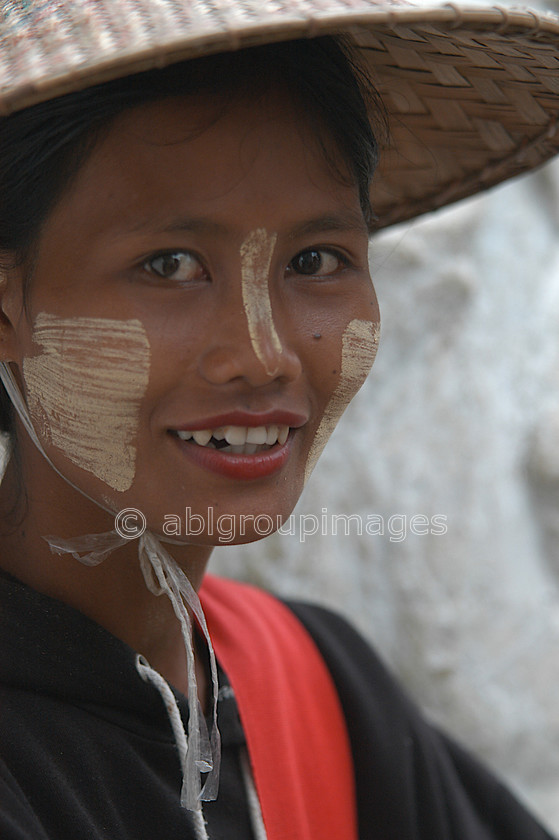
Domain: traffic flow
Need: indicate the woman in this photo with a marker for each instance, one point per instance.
(186, 312)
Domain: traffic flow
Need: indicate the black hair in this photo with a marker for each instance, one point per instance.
(43, 146)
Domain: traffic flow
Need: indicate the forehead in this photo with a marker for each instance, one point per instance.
(194, 155)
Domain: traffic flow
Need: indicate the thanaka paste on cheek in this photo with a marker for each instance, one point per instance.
(256, 259)
(84, 391)
(359, 347)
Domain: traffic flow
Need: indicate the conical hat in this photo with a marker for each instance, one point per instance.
(472, 94)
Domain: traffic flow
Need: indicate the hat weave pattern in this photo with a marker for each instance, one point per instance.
(467, 109)
(472, 94)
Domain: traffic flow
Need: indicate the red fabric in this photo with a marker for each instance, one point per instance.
(291, 714)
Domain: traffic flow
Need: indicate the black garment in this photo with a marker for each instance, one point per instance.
(86, 748)
(88, 754)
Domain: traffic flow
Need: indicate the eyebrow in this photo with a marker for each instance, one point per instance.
(182, 225)
(347, 220)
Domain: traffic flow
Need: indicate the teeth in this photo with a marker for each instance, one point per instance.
(238, 450)
(235, 435)
(241, 440)
(272, 435)
(257, 435)
(202, 437)
(244, 449)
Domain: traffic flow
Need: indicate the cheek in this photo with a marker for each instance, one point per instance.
(84, 391)
(359, 348)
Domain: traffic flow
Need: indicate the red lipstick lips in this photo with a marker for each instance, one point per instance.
(244, 418)
(234, 465)
(237, 466)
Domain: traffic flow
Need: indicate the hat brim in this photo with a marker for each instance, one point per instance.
(471, 94)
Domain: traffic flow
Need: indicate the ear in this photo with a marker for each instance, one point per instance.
(11, 307)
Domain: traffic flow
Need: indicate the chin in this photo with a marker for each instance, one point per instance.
(212, 529)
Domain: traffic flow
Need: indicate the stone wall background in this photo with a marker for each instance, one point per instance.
(460, 418)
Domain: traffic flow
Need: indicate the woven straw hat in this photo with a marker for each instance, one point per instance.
(472, 94)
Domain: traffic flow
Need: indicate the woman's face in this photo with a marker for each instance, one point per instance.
(202, 285)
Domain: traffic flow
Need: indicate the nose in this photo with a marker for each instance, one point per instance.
(233, 354)
(229, 359)
(248, 345)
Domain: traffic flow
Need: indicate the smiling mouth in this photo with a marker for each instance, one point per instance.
(237, 440)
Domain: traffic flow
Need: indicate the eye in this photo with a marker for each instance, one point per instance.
(316, 262)
(177, 266)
